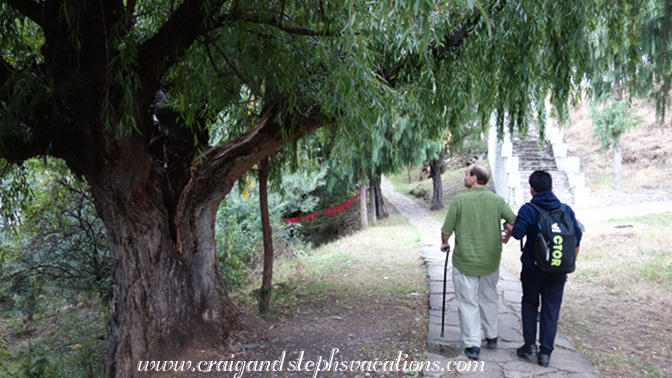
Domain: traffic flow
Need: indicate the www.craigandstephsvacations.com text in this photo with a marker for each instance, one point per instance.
(300, 364)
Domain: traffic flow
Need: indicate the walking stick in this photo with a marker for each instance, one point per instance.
(443, 301)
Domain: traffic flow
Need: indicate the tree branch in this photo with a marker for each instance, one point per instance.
(456, 38)
(452, 41)
(269, 134)
(214, 175)
(230, 63)
(254, 18)
(6, 70)
(30, 9)
(130, 6)
(172, 40)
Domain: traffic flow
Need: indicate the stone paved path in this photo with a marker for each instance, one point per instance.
(566, 361)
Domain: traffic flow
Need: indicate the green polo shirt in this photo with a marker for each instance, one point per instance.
(476, 217)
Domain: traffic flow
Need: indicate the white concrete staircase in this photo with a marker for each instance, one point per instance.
(514, 158)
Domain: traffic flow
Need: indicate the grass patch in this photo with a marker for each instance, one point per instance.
(378, 261)
(618, 303)
(631, 250)
(365, 294)
(402, 184)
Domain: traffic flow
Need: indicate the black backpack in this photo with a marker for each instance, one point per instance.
(555, 244)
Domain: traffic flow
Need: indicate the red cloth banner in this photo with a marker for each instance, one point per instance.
(326, 212)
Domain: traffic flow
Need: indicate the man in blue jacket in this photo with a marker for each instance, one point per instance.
(536, 282)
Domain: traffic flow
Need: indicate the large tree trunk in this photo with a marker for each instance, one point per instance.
(168, 290)
(362, 205)
(618, 163)
(381, 209)
(267, 275)
(374, 213)
(159, 210)
(437, 192)
(167, 295)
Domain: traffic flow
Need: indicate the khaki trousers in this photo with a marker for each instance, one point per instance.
(478, 306)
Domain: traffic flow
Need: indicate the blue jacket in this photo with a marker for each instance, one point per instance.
(526, 223)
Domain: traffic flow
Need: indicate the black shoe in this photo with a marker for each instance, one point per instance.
(544, 359)
(491, 343)
(527, 350)
(472, 352)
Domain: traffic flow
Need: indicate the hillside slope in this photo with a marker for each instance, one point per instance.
(647, 157)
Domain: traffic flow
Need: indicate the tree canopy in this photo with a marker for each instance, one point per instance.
(354, 61)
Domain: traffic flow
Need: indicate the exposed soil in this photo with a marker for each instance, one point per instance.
(624, 335)
(329, 335)
(373, 329)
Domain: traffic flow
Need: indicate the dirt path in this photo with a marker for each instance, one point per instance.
(500, 362)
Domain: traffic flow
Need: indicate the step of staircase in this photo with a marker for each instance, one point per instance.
(533, 156)
(560, 186)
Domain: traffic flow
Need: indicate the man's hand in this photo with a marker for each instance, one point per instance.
(445, 247)
(506, 232)
(506, 235)
(509, 227)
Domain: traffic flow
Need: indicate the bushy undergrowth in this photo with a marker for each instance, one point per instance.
(55, 274)
(55, 278)
(62, 340)
(238, 226)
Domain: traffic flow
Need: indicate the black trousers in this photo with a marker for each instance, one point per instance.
(549, 287)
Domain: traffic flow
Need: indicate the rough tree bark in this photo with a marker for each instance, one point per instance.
(374, 213)
(362, 205)
(381, 209)
(437, 192)
(169, 292)
(267, 275)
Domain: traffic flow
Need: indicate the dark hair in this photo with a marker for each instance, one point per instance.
(541, 181)
(481, 174)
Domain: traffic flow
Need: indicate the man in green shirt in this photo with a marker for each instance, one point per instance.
(475, 218)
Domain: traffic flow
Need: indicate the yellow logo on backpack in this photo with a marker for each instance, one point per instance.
(557, 251)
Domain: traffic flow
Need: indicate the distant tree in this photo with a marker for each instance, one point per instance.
(655, 67)
(436, 169)
(618, 56)
(612, 118)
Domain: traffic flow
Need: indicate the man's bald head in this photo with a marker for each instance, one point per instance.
(481, 173)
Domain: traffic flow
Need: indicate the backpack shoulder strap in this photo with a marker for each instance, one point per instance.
(522, 246)
(536, 207)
